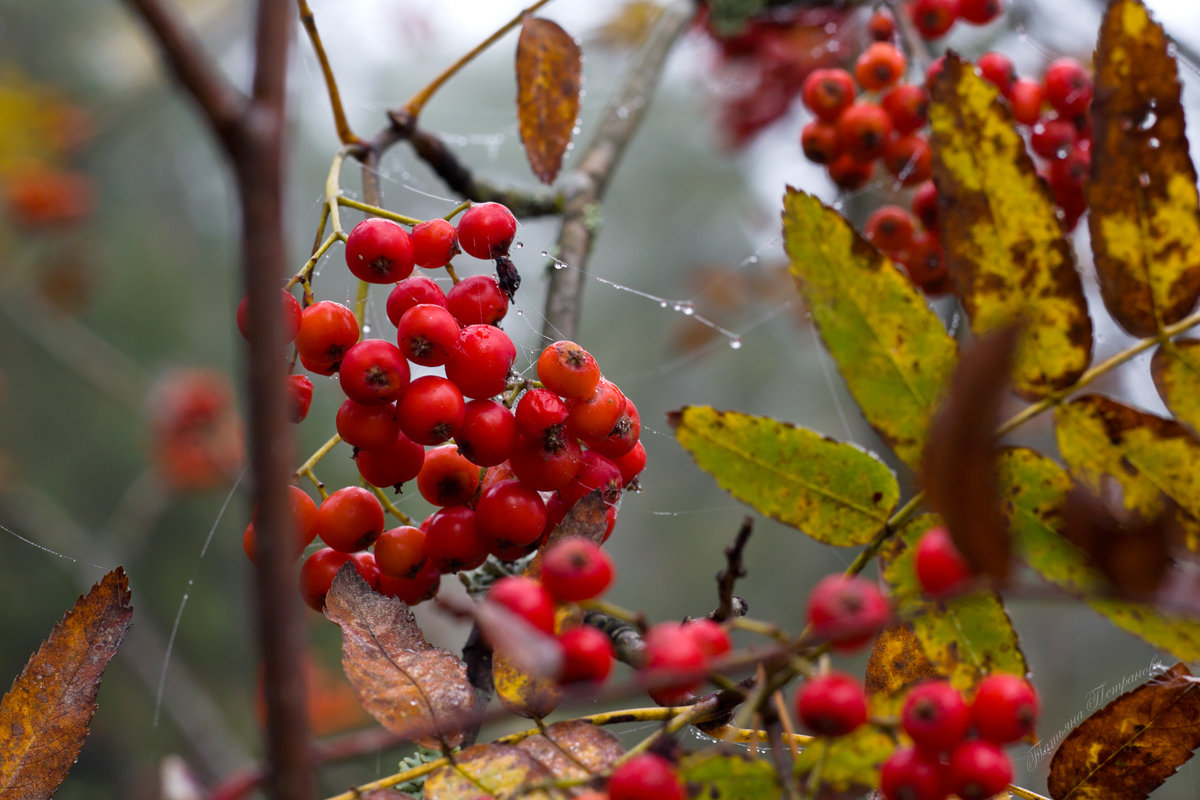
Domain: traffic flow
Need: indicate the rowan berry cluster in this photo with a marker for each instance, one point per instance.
(503, 459)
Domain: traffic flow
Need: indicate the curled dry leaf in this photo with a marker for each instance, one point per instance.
(959, 470)
(413, 688)
(44, 717)
(1128, 748)
(574, 749)
(549, 68)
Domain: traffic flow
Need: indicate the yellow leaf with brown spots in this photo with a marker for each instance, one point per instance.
(833, 492)
(848, 765)
(549, 69)
(890, 347)
(1176, 370)
(499, 770)
(1145, 213)
(1131, 746)
(1148, 456)
(1004, 243)
(574, 749)
(897, 663)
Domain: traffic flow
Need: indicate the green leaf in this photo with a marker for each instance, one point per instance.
(496, 769)
(965, 637)
(1004, 243)
(849, 765)
(835, 493)
(1144, 213)
(891, 349)
(1148, 456)
(1176, 370)
(730, 777)
(1131, 746)
(1035, 488)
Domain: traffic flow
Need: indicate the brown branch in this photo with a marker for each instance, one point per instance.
(728, 605)
(587, 183)
(345, 135)
(628, 645)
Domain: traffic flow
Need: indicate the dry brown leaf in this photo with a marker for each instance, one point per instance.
(897, 663)
(44, 717)
(413, 688)
(549, 69)
(574, 749)
(495, 769)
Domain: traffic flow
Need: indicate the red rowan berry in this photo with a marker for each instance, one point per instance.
(350, 519)
(486, 230)
(890, 228)
(379, 251)
(434, 243)
(400, 552)
(595, 416)
(1026, 97)
(545, 466)
(414, 590)
(675, 663)
(317, 573)
(1068, 87)
(849, 173)
(480, 361)
(933, 18)
(1052, 138)
(980, 12)
(526, 598)
(997, 68)
(1005, 708)
(847, 611)
(327, 331)
(631, 464)
(373, 372)
(978, 769)
(392, 465)
(291, 316)
(488, 433)
(909, 158)
(576, 569)
(908, 107)
(820, 142)
(431, 410)
(303, 518)
(411, 292)
(936, 716)
(299, 393)
(567, 369)
(926, 265)
(452, 540)
(426, 334)
(510, 514)
(645, 777)
(879, 66)
(477, 300)
(538, 410)
(832, 704)
(941, 568)
(863, 129)
(447, 478)
(925, 205)
(596, 471)
(624, 434)
(587, 655)
(713, 639)
(881, 25)
(827, 92)
(367, 427)
(910, 774)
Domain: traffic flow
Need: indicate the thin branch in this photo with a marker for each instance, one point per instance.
(728, 577)
(587, 183)
(345, 135)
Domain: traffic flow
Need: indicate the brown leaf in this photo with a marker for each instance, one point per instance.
(1145, 216)
(897, 663)
(574, 749)
(44, 717)
(495, 769)
(1128, 748)
(528, 648)
(549, 67)
(411, 687)
(960, 456)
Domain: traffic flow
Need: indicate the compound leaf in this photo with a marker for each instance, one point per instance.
(1004, 243)
(1131, 746)
(1036, 489)
(1145, 213)
(44, 717)
(549, 70)
(892, 350)
(834, 492)
(413, 688)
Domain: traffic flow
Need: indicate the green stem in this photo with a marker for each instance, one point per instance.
(307, 467)
(377, 211)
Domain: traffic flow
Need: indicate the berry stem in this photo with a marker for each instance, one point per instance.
(458, 209)
(307, 467)
(414, 106)
(333, 190)
(345, 135)
(304, 276)
(390, 507)
(376, 211)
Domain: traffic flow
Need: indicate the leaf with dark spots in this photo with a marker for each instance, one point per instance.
(1144, 215)
(959, 476)
(498, 770)
(729, 776)
(414, 689)
(574, 749)
(44, 717)
(1131, 746)
(896, 664)
(549, 71)
(1004, 244)
(1176, 370)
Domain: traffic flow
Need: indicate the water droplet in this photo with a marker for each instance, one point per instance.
(1144, 179)
(366, 329)
(662, 303)
(545, 254)
(736, 343)
(687, 308)
(1148, 121)
(831, 28)
(1153, 142)
(622, 112)
(519, 245)
(520, 313)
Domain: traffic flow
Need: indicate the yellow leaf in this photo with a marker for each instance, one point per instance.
(549, 69)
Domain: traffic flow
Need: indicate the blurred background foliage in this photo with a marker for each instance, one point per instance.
(119, 405)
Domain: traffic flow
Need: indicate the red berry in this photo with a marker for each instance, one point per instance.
(526, 598)
(935, 68)
(426, 334)
(538, 411)
(624, 434)
(1026, 97)
(1068, 87)
(863, 129)
(1073, 168)
(925, 205)
(980, 12)
(675, 663)
(645, 777)
(587, 655)
(299, 391)
(379, 251)
(477, 300)
(486, 230)
(397, 463)
(488, 434)
(434, 243)
(430, 410)
(480, 361)
(367, 427)
(305, 524)
(1052, 138)
(996, 68)
(317, 573)
(847, 611)
(909, 158)
(713, 639)
(926, 265)
(447, 478)
(291, 316)
(849, 173)
(411, 591)
(350, 519)
(978, 769)
(828, 92)
(879, 66)
(908, 107)
(510, 514)
(373, 372)
(820, 142)
(596, 471)
(327, 331)
(546, 464)
(411, 292)
(890, 228)
(936, 716)
(832, 704)
(1006, 708)
(909, 774)
(631, 464)
(941, 568)
(881, 25)
(400, 552)
(594, 417)
(933, 18)
(576, 569)
(452, 540)
(567, 369)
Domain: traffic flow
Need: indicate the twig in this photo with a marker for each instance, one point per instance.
(587, 182)
(345, 135)
(727, 577)
(628, 645)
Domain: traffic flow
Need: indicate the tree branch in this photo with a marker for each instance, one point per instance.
(587, 183)
(728, 605)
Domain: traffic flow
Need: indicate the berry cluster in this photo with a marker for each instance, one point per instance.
(503, 459)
